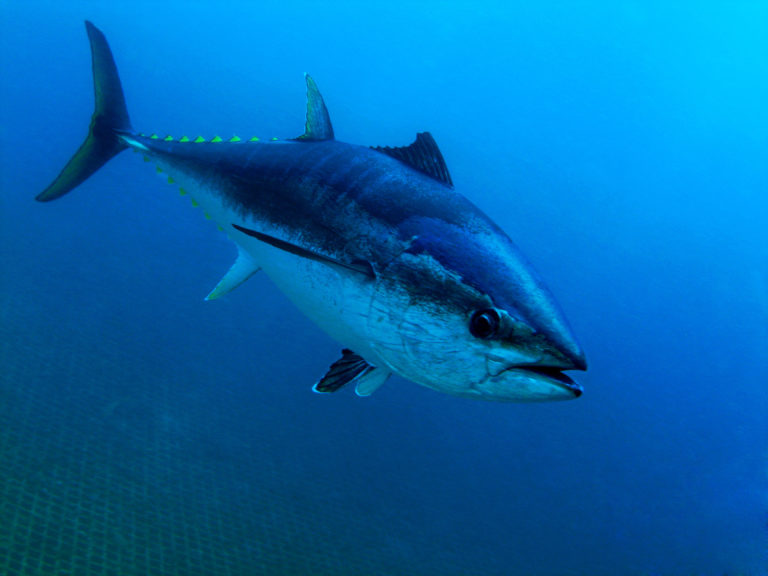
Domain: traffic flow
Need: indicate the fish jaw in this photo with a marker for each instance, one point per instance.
(527, 384)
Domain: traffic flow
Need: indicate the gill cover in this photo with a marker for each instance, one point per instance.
(418, 333)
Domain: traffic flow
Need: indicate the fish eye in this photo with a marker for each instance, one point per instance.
(485, 323)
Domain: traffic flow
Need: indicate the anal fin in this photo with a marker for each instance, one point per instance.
(243, 268)
(351, 368)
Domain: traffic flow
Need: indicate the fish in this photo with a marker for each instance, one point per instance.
(372, 243)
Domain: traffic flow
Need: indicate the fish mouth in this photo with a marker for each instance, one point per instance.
(554, 375)
(527, 383)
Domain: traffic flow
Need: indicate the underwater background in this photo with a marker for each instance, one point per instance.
(623, 145)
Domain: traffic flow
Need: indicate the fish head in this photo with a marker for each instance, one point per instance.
(463, 313)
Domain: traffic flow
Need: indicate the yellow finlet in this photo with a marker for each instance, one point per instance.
(171, 180)
(220, 228)
(183, 139)
(154, 137)
(273, 139)
(146, 158)
(216, 139)
(168, 138)
(254, 139)
(207, 216)
(194, 203)
(198, 140)
(159, 170)
(234, 139)
(182, 192)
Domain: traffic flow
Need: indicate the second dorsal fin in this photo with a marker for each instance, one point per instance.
(318, 125)
(423, 154)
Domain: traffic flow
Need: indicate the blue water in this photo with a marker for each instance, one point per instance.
(622, 145)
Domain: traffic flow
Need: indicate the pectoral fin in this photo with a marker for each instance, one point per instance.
(358, 267)
(243, 268)
(351, 368)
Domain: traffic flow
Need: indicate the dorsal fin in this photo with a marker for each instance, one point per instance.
(318, 125)
(423, 154)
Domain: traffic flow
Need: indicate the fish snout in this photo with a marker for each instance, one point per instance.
(566, 356)
(559, 348)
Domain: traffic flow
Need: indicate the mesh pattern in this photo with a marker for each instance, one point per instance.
(98, 484)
